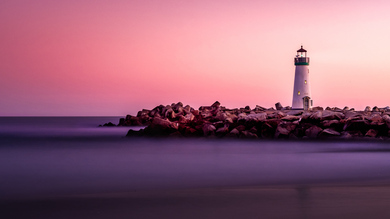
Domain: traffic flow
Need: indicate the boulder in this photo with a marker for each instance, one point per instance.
(376, 119)
(330, 132)
(241, 128)
(160, 127)
(316, 115)
(367, 109)
(330, 115)
(215, 105)
(317, 108)
(221, 116)
(170, 114)
(186, 119)
(355, 134)
(206, 114)
(278, 106)
(242, 116)
(294, 113)
(222, 131)
(268, 128)
(253, 130)
(134, 121)
(233, 134)
(352, 115)
(284, 129)
(356, 125)
(132, 133)
(248, 135)
(190, 132)
(329, 123)
(130, 121)
(290, 118)
(208, 129)
(386, 119)
(109, 124)
(313, 131)
(195, 112)
(346, 135)
(256, 117)
(178, 107)
(371, 133)
(259, 108)
(306, 115)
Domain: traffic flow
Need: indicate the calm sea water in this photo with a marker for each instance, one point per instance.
(60, 156)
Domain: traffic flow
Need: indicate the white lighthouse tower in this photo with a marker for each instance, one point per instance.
(302, 95)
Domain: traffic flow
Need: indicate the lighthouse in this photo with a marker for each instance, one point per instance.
(302, 95)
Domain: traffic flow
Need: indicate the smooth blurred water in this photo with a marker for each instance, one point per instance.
(60, 156)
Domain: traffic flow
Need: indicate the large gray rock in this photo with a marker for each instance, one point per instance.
(313, 131)
(216, 105)
(178, 107)
(161, 127)
(294, 112)
(206, 114)
(233, 133)
(186, 119)
(259, 108)
(330, 115)
(371, 133)
(329, 123)
(170, 114)
(284, 129)
(208, 129)
(375, 109)
(386, 118)
(316, 115)
(278, 106)
(248, 135)
(331, 132)
(256, 117)
(290, 118)
(376, 119)
(317, 108)
(222, 131)
(356, 125)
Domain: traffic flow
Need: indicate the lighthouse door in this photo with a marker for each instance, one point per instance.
(306, 103)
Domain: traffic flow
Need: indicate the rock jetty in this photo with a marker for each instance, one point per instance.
(177, 120)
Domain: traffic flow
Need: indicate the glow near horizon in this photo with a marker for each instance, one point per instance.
(117, 57)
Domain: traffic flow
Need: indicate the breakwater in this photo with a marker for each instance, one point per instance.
(177, 120)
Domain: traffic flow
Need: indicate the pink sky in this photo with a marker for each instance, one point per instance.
(117, 57)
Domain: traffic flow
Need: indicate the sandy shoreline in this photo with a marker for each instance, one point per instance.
(290, 201)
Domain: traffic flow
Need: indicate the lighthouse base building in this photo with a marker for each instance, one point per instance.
(302, 94)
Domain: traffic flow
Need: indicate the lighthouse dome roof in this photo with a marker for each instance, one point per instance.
(301, 49)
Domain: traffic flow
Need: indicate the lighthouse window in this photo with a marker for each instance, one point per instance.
(305, 82)
(299, 93)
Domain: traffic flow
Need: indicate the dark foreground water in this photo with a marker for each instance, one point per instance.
(61, 167)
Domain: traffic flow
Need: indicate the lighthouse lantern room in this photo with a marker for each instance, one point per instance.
(302, 95)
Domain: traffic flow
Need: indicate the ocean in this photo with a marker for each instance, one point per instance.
(68, 167)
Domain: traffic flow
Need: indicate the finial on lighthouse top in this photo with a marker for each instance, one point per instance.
(301, 49)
